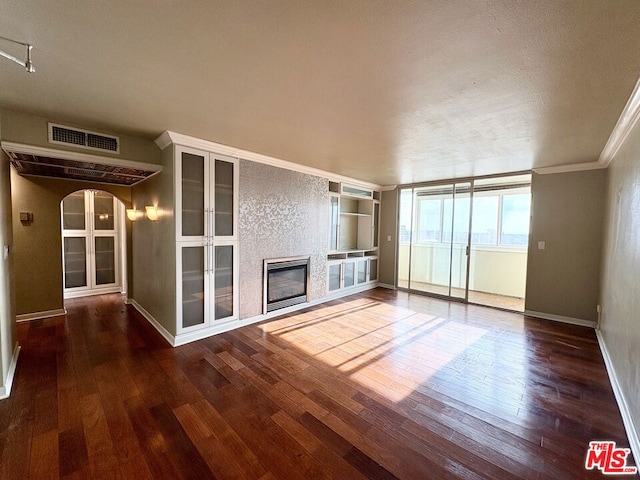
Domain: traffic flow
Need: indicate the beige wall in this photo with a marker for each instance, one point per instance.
(388, 227)
(620, 293)
(154, 244)
(567, 214)
(32, 130)
(38, 245)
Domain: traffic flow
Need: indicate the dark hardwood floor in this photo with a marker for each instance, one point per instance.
(377, 385)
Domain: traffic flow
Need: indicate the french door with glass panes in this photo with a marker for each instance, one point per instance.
(206, 238)
(90, 243)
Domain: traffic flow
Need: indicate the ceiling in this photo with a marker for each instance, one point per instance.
(384, 91)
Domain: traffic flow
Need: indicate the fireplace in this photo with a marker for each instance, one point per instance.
(286, 281)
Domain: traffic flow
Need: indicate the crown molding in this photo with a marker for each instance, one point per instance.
(628, 119)
(572, 167)
(9, 147)
(168, 137)
(386, 188)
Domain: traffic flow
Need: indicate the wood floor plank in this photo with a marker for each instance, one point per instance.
(242, 453)
(43, 462)
(16, 452)
(181, 451)
(72, 451)
(152, 442)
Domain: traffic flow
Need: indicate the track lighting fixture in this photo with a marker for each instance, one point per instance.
(28, 64)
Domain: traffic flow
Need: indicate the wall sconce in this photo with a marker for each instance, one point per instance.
(132, 214)
(152, 212)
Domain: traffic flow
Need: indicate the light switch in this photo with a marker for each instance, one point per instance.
(6, 252)
(388, 238)
(541, 245)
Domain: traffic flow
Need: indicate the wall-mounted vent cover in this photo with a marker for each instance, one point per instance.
(61, 134)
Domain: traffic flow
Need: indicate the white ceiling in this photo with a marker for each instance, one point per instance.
(385, 91)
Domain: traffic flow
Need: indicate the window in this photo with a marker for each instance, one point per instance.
(515, 220)
(499, 218)
(484, 230)
(459, 225)
(406, 208)
(429, 220)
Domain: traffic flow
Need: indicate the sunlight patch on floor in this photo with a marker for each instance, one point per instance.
(371, 343)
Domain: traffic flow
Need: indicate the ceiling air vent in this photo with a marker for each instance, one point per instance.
(63, 135)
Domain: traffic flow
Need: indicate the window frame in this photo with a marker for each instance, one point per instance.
(416, 201)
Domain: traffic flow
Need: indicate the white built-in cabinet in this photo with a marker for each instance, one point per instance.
(206, 198)
(354, 216)
(91, 235)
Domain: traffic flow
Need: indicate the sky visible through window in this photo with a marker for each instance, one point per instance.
(499, 218)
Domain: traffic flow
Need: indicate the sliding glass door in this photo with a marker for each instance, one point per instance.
(499, 241)
(466, 240)
(434, 236)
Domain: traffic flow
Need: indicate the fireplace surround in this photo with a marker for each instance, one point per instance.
(286, 282)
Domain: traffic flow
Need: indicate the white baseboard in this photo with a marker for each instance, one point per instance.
(184, 338)
(632, 432)
(154, 323)
(5, 390)
(561, 318)
(345, 292)
(91, 292)
(27, 317)
(386, 285)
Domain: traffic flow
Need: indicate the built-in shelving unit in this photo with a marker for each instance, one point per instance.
(353, 240)
(91, 231)
(206, 238)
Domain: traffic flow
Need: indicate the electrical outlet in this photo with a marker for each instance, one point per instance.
(542, 245)
(6, 252)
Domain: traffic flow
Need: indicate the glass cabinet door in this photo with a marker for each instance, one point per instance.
(334, 276)
(223, 281)
(193, 285)
(362, 271)
(224, 195)
(103, 211)
(349, 274)
(333, 225)
(373, 269)
(75, 262)
(105, 260)
(73, 212)
(193, 174)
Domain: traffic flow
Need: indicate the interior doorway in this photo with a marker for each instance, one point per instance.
(93, 248)
(466, 240)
